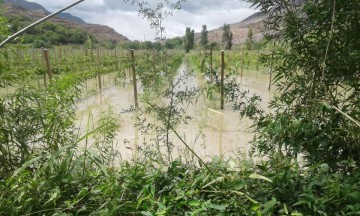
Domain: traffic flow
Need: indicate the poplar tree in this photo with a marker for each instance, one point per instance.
(189, 39)
(249, 40)
(227, 37)
(204, 37)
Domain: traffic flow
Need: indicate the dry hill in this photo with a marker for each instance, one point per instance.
(239, 30)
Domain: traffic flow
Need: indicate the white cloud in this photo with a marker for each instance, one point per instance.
(123, 17)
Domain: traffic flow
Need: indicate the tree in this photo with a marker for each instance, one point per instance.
(174, 43)
(189, 39)
(213, 45)
(156, 13)
(316, 60)
(249, 40)
(227, 37)
(204, 37)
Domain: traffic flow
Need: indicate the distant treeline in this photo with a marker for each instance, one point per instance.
(174, 43)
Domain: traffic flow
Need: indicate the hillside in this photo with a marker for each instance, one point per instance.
(100, 32)
(239, 30)
(37, 7)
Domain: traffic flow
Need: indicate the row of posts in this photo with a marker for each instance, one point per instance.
(133, 70)
(222, 88)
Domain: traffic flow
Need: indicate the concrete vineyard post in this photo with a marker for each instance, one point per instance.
(222, 78)
(132, 56)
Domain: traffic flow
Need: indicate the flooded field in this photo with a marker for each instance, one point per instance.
(210, 132)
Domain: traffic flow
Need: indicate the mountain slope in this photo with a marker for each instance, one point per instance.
(39, 8)
(240, 30)
(28, 5)
(101, 32)
(70, 17)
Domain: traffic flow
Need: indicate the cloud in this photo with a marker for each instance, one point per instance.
(123, 17)
(202, 6)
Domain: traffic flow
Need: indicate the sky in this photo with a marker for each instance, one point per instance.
(125, 19)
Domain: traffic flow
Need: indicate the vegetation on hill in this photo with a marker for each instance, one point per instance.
(47, 34)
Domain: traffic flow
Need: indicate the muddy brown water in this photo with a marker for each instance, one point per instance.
(211, 132)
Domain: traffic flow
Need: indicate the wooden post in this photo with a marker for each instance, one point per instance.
(211, 66)
(60, 55)
(47, 61)
(270, 75)
(154, 60)
(222, 78)
(132, 56)
(45, 80)
(98, 66)
(242, 65)
(33, 55)
(55, 57)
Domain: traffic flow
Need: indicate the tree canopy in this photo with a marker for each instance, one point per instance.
(189, 39)
(316, 60)
(204, 37)
(227, 37)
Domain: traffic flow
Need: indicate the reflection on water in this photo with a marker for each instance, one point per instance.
(210, 132)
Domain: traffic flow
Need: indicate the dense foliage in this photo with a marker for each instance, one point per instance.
(204, 37)
(173, 43)
(227, 37)
(249, 40)
(316, 114)
(47, 34)
(189, 39)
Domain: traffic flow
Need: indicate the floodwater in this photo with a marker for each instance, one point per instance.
(211, 131)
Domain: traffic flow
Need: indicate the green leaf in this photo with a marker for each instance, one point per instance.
(251, 200)
(257, 176)
(146, 213)
(194, 203)
(26, 165)
(296, 214)
(300, 202)
(285, 209)
(216, 180)
(97, 161)
(54, 196)
(161, 205)
(267, 206)
(217, 207)
(238, 193)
